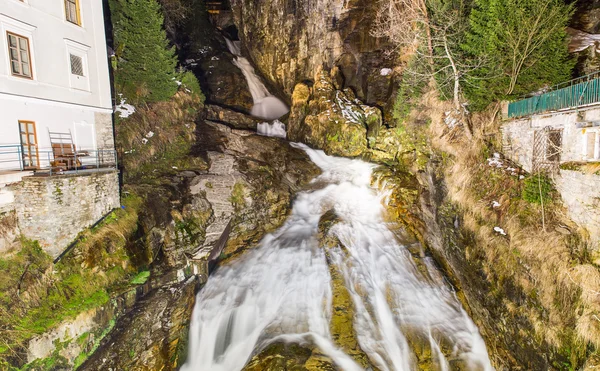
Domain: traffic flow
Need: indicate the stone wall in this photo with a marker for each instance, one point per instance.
(104, 130)
(53, 210)
(581, 195)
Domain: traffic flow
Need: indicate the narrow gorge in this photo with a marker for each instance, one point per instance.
(320, 193)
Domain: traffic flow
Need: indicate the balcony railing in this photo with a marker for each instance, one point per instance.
(46, 161)
(572, 94)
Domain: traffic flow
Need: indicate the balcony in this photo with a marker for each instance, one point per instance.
(53, 161)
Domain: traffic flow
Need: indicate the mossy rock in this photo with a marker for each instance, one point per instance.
(403, 205)
(280, 357)
(300, 95)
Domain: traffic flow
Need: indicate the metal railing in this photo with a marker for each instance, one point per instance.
(13, 158)
(579, 92)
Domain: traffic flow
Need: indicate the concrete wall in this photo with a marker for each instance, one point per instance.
(51, 39)
(91, 128)
(581, 195)
(581, 129)
(104, 130)
(518, 135)
(53, 210)
(54, 98)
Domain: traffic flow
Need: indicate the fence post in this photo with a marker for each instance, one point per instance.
(98, 159)
(20, 157)
(49, 163)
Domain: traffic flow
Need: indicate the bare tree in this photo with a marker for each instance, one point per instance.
(413, 24)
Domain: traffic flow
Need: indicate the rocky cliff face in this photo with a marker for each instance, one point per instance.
(289, 40)
(314, 51)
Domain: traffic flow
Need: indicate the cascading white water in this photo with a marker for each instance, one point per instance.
(266, 106)
(281, 290)
(272, 129)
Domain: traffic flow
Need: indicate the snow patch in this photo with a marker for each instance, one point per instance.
(123, 109)
(495, 161)
(500, 231)
(386, 71)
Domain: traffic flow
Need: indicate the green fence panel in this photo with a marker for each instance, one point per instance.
(581, 94)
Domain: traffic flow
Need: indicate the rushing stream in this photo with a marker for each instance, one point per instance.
(282, 289)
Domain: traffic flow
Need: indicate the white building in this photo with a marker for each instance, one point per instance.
(54, 78)
(57, 158)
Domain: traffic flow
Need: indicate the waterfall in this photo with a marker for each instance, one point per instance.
(266, 106)
(282, 289)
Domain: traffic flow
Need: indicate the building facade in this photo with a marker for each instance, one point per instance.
(55, 98)
(566, 145)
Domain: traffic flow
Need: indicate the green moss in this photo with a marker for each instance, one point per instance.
(238, 196)
(68, 288)
(140, 278)
(86, 354)
(54, 362)
(58, 194)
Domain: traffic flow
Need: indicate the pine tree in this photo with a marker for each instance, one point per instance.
(146, 64)
(524, 43)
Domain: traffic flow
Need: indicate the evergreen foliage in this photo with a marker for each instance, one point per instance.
(525, 46)
(145, 68)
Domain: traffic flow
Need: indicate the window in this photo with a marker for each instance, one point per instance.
(29, 144)
(76, 65)
(591, 145)
(547, 148)
(18, 50)
(72, 11)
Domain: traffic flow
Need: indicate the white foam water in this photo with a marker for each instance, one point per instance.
(272, 129)
(266, 106)
(281, 290)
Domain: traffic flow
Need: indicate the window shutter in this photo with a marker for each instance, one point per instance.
(76, 65)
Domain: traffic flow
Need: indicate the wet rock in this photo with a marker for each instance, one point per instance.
(290, 40)
(205, 53)
(150, 337)
(271, 172)
(237, 120)
(403, 203)
(280, 356)
(330, 119)
(340, 124)
(223, 83)
(327, 220)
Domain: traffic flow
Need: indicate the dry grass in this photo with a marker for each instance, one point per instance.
(158, 136)
(544, 263)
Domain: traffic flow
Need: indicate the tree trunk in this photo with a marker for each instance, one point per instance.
(456, 74)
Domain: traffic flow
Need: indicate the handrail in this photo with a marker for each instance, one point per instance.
(12, 159)
(575, 81)
(572, 95)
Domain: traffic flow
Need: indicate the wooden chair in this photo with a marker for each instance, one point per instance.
(66, 156)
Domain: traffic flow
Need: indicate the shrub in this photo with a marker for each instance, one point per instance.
(190, 82)
(537, 188)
